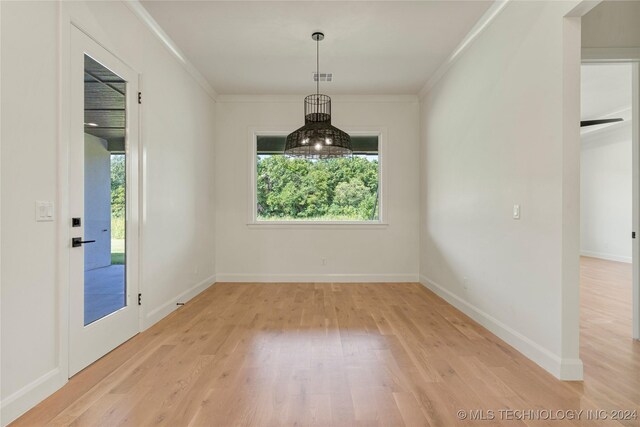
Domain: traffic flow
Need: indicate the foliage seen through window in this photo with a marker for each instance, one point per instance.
(341, 189)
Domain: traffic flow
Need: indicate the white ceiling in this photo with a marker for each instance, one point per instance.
(265, 47)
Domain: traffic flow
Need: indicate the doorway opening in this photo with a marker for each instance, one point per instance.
(607, 208)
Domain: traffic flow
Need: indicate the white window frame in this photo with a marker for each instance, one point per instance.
(253, 221)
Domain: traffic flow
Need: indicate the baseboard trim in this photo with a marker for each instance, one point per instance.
(317, 278)
(170, 306)
(608, 257)
(571, 370)
(16, 404)
(563, 369)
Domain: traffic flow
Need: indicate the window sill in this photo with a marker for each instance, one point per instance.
(324, 225)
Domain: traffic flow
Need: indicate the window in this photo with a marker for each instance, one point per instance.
(292, 190)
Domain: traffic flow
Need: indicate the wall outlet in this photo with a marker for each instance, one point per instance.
(324, 261)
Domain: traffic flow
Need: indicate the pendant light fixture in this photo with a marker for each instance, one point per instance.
(318, 139)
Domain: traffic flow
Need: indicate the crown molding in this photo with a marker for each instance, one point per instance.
(482, 24)
(143, 15)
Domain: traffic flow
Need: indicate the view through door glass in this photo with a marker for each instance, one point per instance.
(104, 191)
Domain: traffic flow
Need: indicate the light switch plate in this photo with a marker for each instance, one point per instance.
(44, 211)
(516, 211)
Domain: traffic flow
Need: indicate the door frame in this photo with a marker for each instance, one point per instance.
(134, 193)
(632, 56)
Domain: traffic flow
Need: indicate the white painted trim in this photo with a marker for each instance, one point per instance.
(564, 369)
(299, 99)
(145, 17)
(252, 221)
(608, 257)
(1, 402)
(28, 396)
(141, 158)
(569, 297)
(319, 225)
(170, 306)
(62, 192)
(609, 54)
(635, 154)
(571, 370)
(317, 278)
(475, 32)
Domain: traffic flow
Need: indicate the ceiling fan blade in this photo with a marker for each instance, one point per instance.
(584, 123)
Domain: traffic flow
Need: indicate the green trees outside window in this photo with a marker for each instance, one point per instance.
(342, 189)
(118, 207)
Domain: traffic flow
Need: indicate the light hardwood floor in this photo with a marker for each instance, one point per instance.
(345, 355)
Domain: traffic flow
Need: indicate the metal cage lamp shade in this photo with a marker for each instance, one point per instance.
(318, 139)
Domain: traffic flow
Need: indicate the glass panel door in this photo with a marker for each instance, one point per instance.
(104, 191)
(103, 183)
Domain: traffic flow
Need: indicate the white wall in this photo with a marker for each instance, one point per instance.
(97, 202)
(605, 194)
(29, 129)
(178, 226)
(264, 253)
(492, 137)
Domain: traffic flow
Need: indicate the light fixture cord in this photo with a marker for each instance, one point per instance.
(317, 65)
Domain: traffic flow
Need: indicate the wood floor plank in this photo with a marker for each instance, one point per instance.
(335, 354)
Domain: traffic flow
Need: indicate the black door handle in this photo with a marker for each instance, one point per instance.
(77, 241)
